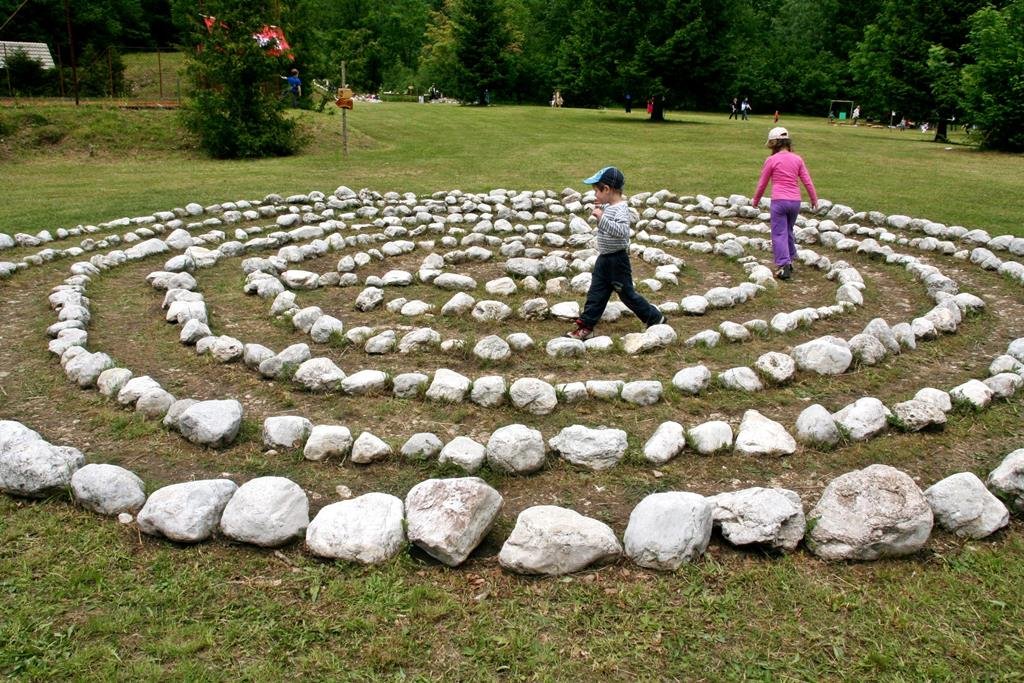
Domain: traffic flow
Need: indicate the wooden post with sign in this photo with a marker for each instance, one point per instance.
(344, 119)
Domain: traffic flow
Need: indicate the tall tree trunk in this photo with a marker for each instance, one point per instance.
(940, 129)
(658, 111)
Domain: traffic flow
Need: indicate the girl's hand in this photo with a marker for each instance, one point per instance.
(597, 212)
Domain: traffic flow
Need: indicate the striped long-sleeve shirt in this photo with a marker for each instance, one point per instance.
(613, 228)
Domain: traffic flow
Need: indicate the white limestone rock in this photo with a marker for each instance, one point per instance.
(552, 541)
(759, 435)
(668, 529)
(370, 448)
(533, 395)
(869, 514)
(448, 386)
(111, 381)
(1004, 384)
(365, 382)
(492, 348)
(565, 347)
(286, 431)
(1007, 480)
(642, 392)
(516, 449)
(740, 379)
(937, 397)
(448, 518)
(777, 368)
(211, 423)
(963, 505)
(266, 511)
(863, 419)
(692, 380)
(710, 437)
(369, 529)
(188, 512)
(327, 441)
(768, 517)
(867, 349)
(595, 449)
(973, 393)
(32, 467)
(915, 415)
(463, 452)
(826, 356)
(667, 442)
(422, 446)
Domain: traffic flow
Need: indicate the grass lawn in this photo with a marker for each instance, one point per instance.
(87, 598)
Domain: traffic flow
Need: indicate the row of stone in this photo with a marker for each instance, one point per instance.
(867, 514)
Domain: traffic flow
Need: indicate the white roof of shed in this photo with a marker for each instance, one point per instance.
(37, 51)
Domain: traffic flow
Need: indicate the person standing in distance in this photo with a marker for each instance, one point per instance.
(294, 86)
(612, 271)
(783, 168)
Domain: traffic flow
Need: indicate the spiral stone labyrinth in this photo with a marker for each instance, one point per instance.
(398, 311)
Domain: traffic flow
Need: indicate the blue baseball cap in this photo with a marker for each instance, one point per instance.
(610, 176)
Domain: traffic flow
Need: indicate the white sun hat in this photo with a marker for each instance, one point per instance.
(778, 133)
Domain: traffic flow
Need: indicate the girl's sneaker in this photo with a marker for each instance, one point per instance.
(784, 272)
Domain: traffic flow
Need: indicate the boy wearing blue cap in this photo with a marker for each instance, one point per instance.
(612, 272)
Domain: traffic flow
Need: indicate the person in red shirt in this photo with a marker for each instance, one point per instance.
(783, 168)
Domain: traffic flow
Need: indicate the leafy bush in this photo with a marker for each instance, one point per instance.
(236, 110)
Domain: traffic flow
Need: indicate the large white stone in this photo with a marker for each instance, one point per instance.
(963, 505)
(915, 415)
(868, 514)
(369, 448)
(666, 443)
(596, 449)
(266, 511)
(759, 435)
(863, 419)
(533, 395)
(369, 529)
(770, 517)
(692, 380)
(710, 437)
(516, 448)
(463, 452)
(211, 423)
(552, 541)
(668, 529)
(108, 489)
(319, 374)
(1007, 480)
(447, 518)
(448, 386)
(422, 446)
(188, 512)
(286, 431)
(825, 356)
(974, 393)
(327, 441)
(34, 467)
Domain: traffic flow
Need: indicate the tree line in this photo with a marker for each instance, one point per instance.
(934, 60)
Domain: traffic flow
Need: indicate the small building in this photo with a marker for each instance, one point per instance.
(40, 52)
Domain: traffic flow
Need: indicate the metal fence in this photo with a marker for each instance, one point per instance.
(138, 76)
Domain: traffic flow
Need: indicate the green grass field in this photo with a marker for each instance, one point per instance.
(135, 162)
(87, 598)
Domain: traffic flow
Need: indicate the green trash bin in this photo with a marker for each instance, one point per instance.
(842, 116)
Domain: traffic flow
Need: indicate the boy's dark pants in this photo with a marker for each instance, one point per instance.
(612, 273)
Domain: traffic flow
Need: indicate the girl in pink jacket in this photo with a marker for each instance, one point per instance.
(783, 169)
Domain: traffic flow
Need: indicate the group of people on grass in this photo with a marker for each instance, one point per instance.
(612, 272)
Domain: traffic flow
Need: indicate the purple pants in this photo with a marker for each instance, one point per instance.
(784, 212)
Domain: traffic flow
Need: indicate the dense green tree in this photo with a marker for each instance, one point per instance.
(481, 38)
(890, 65)
(993, 86)
(236, 109)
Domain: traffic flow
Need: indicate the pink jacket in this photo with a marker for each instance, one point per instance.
(782, 169)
